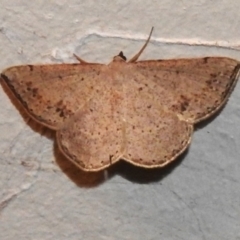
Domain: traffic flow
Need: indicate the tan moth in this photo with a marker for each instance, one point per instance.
(142, 112)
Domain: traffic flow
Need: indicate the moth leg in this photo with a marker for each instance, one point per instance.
(80, 59)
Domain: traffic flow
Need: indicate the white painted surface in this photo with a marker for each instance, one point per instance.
(197, 198)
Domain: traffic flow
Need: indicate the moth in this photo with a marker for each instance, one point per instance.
(142, 112)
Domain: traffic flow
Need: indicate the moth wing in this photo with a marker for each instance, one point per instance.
(192, 88)
(93, 138)
(154, 136)
(123, 121)
(52, 93)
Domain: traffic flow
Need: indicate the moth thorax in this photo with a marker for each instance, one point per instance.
(118, 59)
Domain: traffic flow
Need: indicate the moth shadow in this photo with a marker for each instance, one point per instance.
(122, 168)
(143, 175)
(210, 119)
(79, 177)
(126, 170)
(75, 174)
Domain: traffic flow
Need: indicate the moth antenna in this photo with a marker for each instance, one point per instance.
(135, 58)
(79, 59)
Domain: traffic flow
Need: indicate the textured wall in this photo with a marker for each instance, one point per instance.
(43, 196)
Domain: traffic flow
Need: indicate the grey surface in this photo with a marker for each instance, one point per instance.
(43, 196)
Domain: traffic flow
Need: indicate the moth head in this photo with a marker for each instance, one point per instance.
(119, 58)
